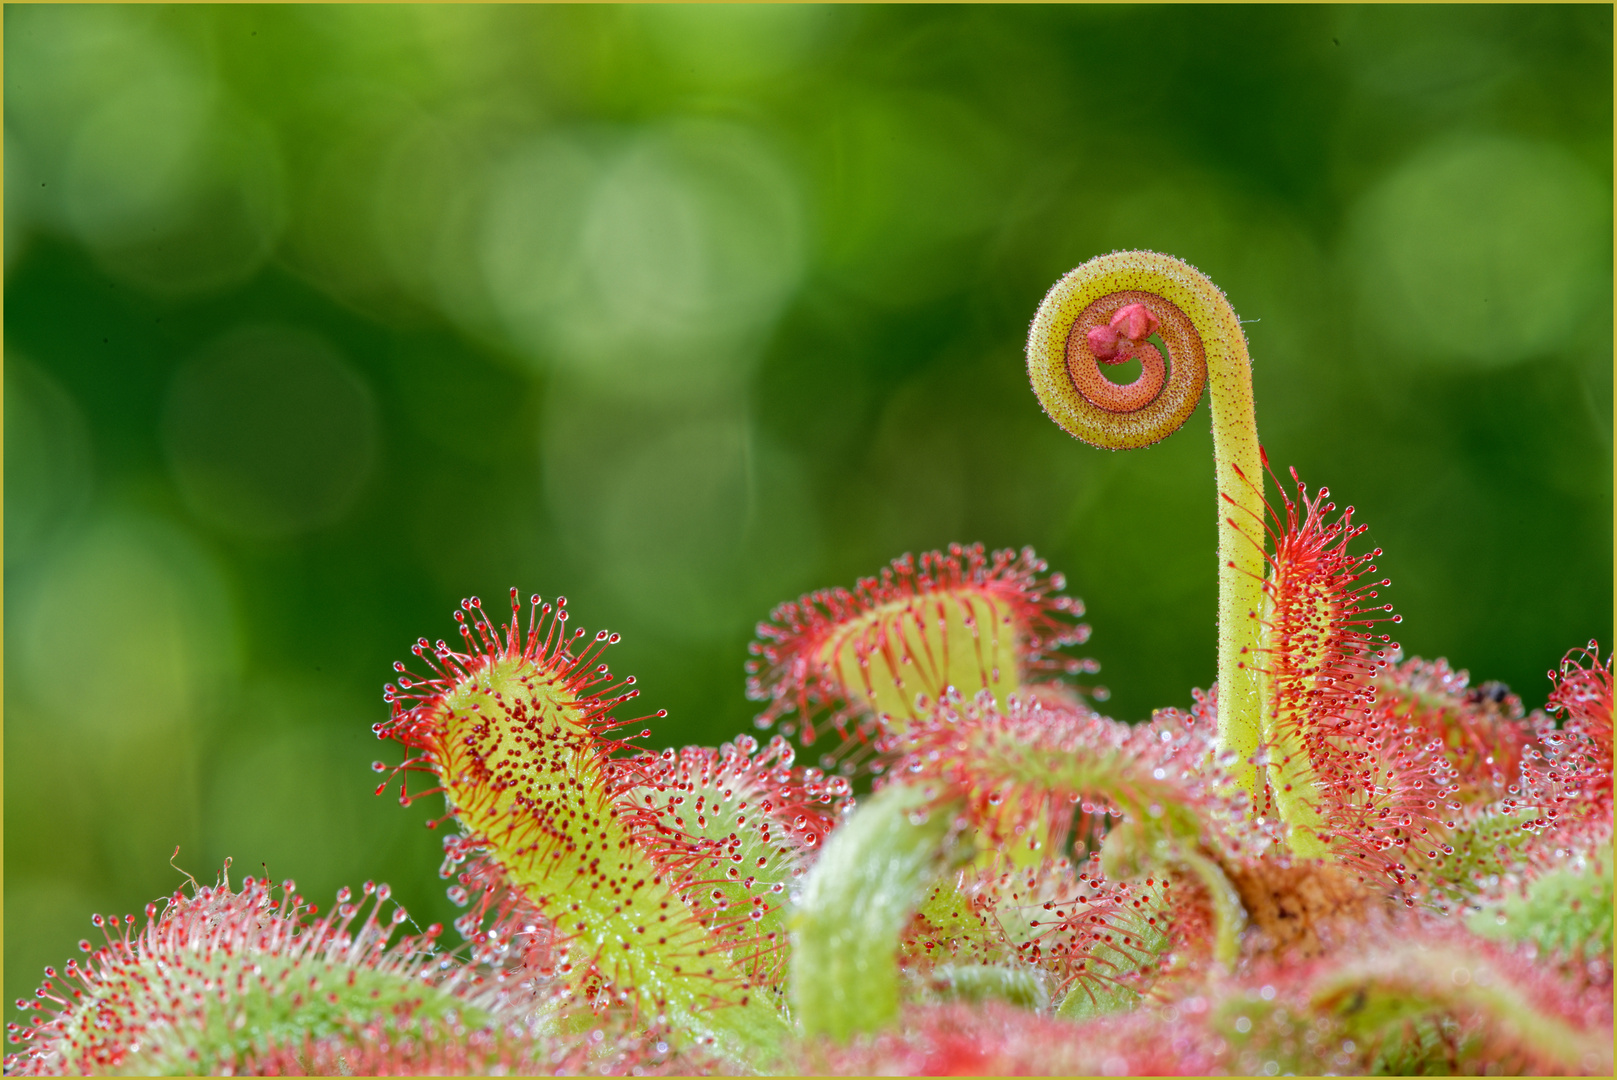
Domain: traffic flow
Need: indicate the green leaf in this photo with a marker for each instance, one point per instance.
(1568, 909)
(856, 901)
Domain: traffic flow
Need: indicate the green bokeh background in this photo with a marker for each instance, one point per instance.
(321, 318)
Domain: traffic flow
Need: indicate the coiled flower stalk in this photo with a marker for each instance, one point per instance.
(1106, 311)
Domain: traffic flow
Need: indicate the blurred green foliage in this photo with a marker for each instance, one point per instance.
(321, 318)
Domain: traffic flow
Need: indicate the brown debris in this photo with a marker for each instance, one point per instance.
(1302, 908)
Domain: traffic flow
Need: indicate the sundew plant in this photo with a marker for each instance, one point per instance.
(1341, 859)
(320, 318)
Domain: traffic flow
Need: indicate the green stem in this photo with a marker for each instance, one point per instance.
(856, 901)
(1238, 471)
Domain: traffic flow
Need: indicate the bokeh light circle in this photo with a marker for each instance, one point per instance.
(128, 630)
(688, 518)
(270, 432)
(48, 459)
(1482, 250)
(653, 262)
(139, 150)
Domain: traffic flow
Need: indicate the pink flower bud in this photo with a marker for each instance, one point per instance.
(1104, 343)
(1134, 321)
